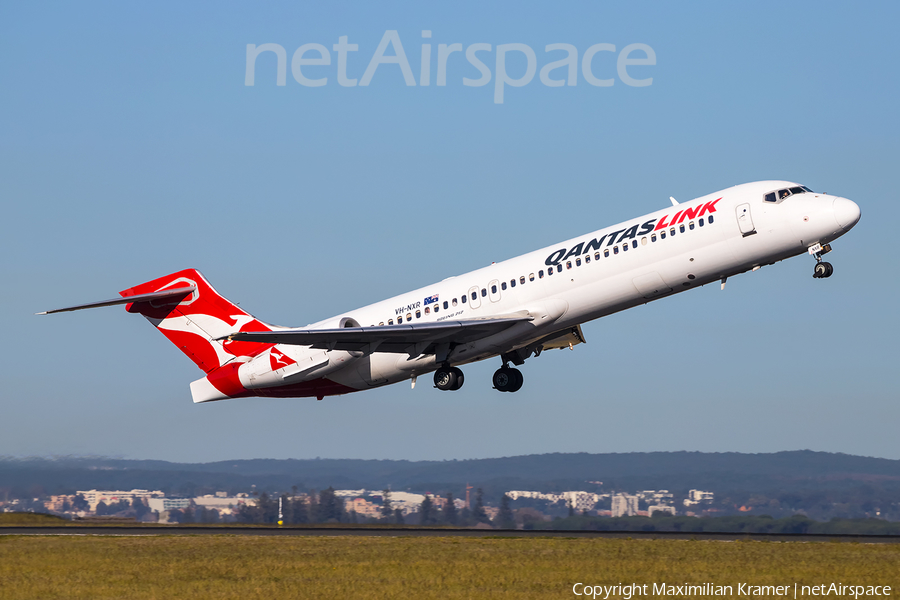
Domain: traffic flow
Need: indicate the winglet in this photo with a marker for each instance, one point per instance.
(674, 201)
(171, 293)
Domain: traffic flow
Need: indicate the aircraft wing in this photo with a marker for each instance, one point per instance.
(407, 338)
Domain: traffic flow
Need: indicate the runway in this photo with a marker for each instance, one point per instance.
(151, 530)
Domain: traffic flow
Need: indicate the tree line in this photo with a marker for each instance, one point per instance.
(797, 524)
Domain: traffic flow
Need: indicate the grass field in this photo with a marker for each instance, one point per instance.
(31, 519)
(224, 567)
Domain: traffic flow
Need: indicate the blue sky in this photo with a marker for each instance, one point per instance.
(130, 147)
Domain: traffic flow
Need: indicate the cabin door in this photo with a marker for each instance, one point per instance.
(745, 221)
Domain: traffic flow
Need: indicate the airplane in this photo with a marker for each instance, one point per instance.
(514, 310)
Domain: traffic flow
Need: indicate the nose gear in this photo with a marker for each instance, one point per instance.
(823, 269)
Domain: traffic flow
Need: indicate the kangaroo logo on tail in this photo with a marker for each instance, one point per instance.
(194, 322)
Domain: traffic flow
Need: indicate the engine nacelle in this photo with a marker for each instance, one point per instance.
(335, 323)
(286, 364)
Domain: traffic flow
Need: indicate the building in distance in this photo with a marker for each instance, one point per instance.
(95, 497)
(624, 505)
(696, 497)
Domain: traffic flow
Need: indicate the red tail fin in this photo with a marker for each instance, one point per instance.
(195, 321)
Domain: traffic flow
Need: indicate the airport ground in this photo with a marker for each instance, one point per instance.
(227, 566)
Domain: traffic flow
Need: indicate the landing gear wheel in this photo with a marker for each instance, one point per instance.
(445, 379)
(502, 379)
(822, 270)
(460, 378)
(507, 379)
(518, 380)
(448, 379)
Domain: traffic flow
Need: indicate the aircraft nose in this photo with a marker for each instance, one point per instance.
(846, 213)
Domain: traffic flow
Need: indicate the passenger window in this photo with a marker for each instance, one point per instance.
(653, 237)
(672, 231)
(390, 321)
(446, 306)
(577, 262)
(484, 292)
(634, 243)
(587, 258)
(606, 253)
(700, 221)
(662, 234)
(559, 268)
(502, 286)
(463, 299)
(568, 264)
(381, 324)
(691, 225)
(625, 247)
(615, 249)
(427, 310)
(418, 314)
(597, 255)
(493, 289)
(409, 316)
(512, 283)
(550, 271)
(681, 228)
(770, 197)
(437, 307)
(643, 241)
(454, 301)
(474, 295)
(710, 219)
(540, 275)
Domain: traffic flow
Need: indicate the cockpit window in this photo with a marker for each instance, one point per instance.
(782, 194)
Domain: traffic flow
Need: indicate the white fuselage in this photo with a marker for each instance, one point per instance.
(669, 251)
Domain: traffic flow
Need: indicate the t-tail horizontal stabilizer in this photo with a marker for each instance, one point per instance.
(171, 293)
(186, 309)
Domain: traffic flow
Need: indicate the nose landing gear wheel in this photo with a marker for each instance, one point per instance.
(507, 379)
(822, 270)
(448, 379)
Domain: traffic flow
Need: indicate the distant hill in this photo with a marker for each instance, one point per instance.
(802, 472)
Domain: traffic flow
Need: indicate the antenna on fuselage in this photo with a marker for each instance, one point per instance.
(674, 201)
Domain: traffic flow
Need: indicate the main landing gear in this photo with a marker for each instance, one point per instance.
(448, 379)
(508, 379)
(823, 269)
